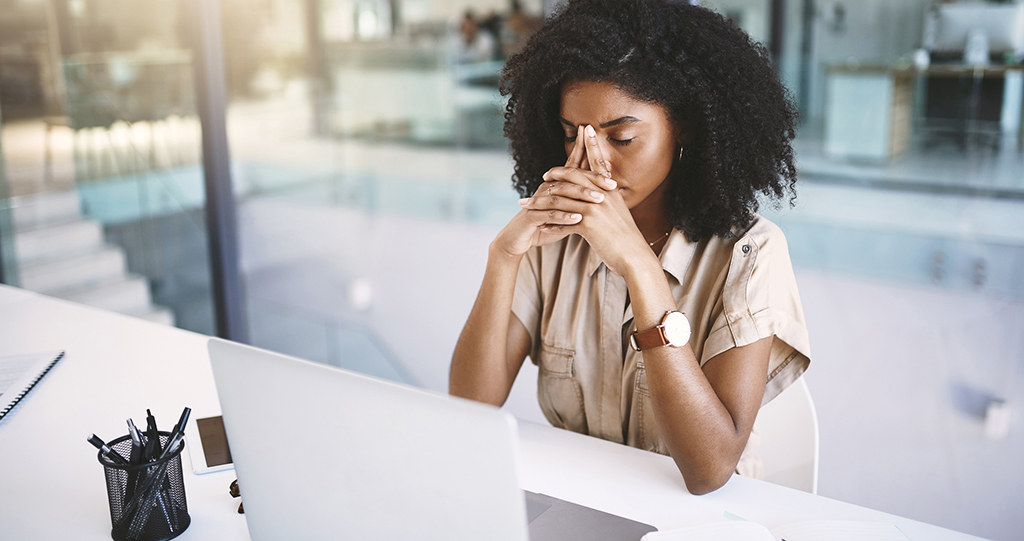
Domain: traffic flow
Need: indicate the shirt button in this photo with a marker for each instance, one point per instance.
(746, 248)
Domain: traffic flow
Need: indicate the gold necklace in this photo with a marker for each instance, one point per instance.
(656, 241)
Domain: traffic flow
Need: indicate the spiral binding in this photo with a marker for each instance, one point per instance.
(25, 391)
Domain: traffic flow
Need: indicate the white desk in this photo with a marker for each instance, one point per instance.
(51, 486)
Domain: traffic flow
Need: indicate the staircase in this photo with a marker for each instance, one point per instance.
(64, 255)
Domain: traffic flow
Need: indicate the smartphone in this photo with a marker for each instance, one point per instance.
(207, 445)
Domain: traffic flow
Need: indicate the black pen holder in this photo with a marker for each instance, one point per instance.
(147, 501)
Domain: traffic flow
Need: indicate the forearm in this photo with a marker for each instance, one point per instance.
(702, 435)
(480, 367)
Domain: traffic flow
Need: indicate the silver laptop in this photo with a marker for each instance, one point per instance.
(324, 453)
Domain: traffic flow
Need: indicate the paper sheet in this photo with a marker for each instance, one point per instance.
(812, 530)
(733, 530)
(839, 530)
(14, 367)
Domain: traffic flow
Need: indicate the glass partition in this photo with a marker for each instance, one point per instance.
(8, 261)
(102, 149)
(905, 236)
(367, 142)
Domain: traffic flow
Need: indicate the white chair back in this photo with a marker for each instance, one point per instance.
(788, 426)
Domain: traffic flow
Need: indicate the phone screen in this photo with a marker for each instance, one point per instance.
(214, 441)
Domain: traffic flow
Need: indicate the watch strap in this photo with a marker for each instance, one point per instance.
(651, 338)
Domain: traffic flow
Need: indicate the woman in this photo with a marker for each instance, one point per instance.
(661, 309)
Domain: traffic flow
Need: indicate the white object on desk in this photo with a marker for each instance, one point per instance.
(321, 451)
(196, 453)
(814, 530)
(20, 373)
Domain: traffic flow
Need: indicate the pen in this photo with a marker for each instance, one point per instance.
(152, 437)
(134, 432)
(135, 458)
(177, 433)
(142, 503)
(107, 451)
(181, 421)
(136, 443)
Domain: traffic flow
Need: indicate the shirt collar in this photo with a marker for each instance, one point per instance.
(674, 258)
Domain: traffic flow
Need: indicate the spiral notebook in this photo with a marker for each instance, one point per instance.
(20, 373)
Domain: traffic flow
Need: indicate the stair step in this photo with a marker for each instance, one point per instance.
(73, 272)
(57, 241)
(45, 208)
(127, 295)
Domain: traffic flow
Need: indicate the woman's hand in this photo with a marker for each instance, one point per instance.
(537, 226)
(587, 190)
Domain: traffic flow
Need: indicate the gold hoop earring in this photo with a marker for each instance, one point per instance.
(680, 153)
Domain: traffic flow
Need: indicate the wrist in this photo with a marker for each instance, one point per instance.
(498, 255)
(642, 268)
(650, 294)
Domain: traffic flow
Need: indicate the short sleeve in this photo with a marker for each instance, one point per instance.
(527, 300)
(760, 299)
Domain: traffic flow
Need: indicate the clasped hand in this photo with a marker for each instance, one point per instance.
(582, 198)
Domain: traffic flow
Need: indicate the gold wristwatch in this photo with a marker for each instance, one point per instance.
(674, 331)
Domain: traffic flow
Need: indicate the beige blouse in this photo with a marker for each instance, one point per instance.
(733, 291)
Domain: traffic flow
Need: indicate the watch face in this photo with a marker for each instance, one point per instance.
(677, 328)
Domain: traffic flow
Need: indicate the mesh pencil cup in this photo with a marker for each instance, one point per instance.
(147, 501)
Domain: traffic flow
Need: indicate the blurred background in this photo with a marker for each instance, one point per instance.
(367, 174)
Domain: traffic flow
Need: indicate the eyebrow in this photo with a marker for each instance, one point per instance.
(610, 123)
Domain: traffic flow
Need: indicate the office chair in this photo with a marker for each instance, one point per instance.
(788, 426)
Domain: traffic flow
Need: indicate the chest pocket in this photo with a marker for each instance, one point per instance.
(559, 391)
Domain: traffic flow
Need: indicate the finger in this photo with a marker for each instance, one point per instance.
(561, 229)
(576, 156)
(582, 177)
(556, 205)
(541, 218)
(555, 202)
(594, 156)
(569, 190)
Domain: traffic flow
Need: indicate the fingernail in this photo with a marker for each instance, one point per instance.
(610, 183)
(545, 175)
(524, 201)
(575, 217)
(590, 131)
(598, 196)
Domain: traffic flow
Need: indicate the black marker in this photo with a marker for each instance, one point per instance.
(107, 451)
(135, 458)
(180, 427)
(177, 433)
(152, 438)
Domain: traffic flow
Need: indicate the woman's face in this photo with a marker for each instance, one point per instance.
(636, 138)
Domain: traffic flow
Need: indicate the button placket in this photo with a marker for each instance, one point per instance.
(610, 393)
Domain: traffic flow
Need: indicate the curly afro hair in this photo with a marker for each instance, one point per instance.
(711, 77)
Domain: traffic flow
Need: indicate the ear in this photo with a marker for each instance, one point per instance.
(682, 136)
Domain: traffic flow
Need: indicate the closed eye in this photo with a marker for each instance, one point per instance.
(569, 139)
(621, 142)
